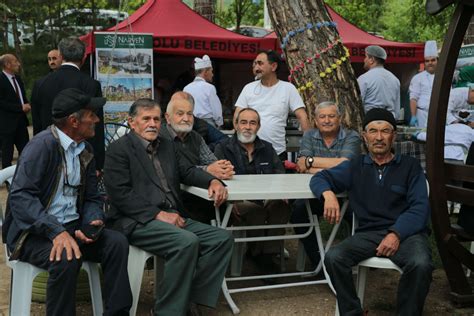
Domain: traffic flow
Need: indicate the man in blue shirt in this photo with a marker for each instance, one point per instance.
(387, 193)
(54, 198)
(321, 148)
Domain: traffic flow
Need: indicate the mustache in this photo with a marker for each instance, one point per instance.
(151, 129)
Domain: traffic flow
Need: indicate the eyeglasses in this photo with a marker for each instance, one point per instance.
(69, 189)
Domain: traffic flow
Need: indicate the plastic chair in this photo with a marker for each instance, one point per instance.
(136, 263)
(24, 273)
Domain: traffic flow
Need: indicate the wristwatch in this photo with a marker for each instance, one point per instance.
(309, 162)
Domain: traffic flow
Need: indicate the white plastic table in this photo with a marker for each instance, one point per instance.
(271, 187)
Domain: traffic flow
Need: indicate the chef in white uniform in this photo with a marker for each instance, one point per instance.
(421, 85)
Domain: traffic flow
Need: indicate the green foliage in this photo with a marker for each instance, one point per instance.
(397, 20)
(240, 12)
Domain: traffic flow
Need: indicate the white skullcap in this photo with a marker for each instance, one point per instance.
(431, 50)
(201, 63)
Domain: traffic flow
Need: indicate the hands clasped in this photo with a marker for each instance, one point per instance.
(221, 169)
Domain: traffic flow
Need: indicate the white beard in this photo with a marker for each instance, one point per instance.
(246, 139)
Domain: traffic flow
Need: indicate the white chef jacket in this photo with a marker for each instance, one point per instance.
(421, 86)
(206, 102)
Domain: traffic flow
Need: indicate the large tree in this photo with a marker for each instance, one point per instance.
(317, 59)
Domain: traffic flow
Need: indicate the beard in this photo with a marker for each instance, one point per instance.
(182, 128)
(246, 139)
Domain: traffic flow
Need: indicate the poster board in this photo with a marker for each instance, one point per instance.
(124, 68)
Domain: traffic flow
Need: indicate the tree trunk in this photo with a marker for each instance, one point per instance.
(205, 8)
(319, 64)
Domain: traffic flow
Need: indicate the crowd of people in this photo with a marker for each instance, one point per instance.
(54, 201)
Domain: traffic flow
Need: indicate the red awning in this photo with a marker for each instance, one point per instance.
(356, 40)
(178, 30)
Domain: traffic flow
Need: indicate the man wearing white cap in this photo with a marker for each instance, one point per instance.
(421, 85)
(206, 103)
(379, 88)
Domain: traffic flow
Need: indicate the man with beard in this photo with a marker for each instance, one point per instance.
(388, 195)
(142, 176)
(251, 155)
(192, 147)
(379, 88)
(273, 99)
(321, 148)
(421, 85)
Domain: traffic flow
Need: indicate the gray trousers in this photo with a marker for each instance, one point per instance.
(413, 257)
(196, 259)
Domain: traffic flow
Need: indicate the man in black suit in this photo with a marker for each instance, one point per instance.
(142, 176)
(72, 51)
(13, 108)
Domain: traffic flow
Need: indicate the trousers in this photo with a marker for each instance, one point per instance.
(196, 259)
(110, 250)
(413, 257)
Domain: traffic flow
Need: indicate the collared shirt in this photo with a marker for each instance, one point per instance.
(10, 78)
(379, 88)
(63, 205)
(346, 144)
(421, 86)
(192, 147)
(151, 149)
(70, 64)
(206, 102)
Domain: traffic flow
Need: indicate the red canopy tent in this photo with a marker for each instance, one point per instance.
(356, 40)
(178, 30)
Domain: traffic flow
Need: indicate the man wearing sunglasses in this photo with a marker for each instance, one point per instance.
(421, 85)
(54, 214)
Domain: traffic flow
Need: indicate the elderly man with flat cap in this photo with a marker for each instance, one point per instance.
(379, 88)
(388, 195)
(54, 204)
(207, 105)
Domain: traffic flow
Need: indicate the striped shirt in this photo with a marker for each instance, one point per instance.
(63, 206)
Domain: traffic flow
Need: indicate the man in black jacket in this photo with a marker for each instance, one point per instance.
(69, 75)
(142, 177)
(13, 108)
(251, 155)
(53, 199)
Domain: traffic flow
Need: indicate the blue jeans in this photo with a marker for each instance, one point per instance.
(413, 257)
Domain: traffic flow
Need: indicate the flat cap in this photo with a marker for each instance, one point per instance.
(376, 51)
(71, 100)
(379, 114)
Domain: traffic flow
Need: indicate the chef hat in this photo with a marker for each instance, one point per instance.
(201, 63)
(431, 50)
(376, 51)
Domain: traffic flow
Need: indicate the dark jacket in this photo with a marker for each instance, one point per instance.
(265, 159)
(48, 87)
(394, 198)
(11, 109)
(135, 191)
(34, 185)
